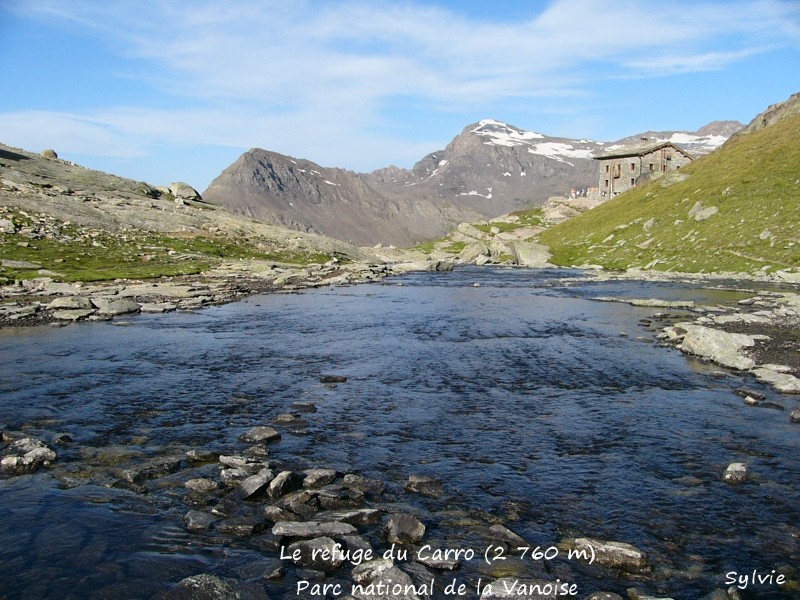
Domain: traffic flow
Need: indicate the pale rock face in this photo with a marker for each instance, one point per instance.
(721, 347)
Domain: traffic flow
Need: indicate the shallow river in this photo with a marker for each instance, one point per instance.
(535, 406)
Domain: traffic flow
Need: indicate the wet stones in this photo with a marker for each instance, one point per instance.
(26, 455)
(720, 346)
(614, 555)
(260, 435)
(427, 486)
(199, 521)
(316, 478)
(404, 529)
(794, 417)
(157, 467)
(312, 529)
(359, 516)
(332, 379)
(504, 534)
(320, 553)
(121, 306)
(201, 485)
(211, 587)
(71, 303)
(284, 483)
(735, 473)
(256, 484)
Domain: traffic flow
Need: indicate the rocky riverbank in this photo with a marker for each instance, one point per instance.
(309, 531)
(758, 336)
(43, 300)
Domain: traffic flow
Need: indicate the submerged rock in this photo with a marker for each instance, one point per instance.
(427, 486)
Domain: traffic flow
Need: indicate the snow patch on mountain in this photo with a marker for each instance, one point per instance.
(559, 151)
(707, 142)
(502, 134)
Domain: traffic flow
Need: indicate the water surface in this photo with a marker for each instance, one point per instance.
(535, 406)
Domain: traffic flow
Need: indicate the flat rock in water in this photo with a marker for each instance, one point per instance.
(312, 529)
(260, 434)
(158, 467)
(615, 555)
(357, 516)
(783, 382)
(720, 346)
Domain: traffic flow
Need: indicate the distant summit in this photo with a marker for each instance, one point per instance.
(491, 168)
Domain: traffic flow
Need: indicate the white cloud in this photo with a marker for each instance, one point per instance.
(319, 78)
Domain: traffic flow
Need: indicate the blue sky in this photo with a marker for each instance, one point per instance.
(176, 90)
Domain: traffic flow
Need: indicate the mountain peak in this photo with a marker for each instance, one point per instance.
(502, 134)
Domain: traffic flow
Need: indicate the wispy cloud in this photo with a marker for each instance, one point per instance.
(247, 72)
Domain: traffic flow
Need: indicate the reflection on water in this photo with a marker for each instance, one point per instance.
(520, 395)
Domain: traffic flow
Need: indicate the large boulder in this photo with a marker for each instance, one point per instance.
(184, 191)
(529, 254)
(719, 346)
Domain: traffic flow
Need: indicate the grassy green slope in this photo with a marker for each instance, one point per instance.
(754, 181)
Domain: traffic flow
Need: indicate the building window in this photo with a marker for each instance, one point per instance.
(606, 182)
(652, 167)
(633, 166)
(633, 182)
(607, 167)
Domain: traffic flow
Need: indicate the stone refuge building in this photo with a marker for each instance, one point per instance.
(624, 168)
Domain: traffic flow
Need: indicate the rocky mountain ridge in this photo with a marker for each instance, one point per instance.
(491, 168)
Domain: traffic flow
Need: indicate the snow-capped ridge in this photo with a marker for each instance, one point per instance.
(503, 134)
